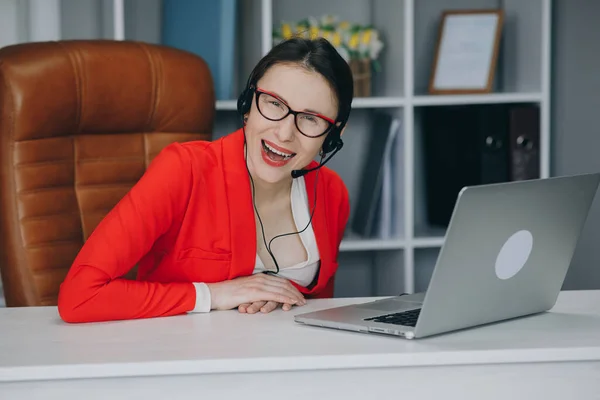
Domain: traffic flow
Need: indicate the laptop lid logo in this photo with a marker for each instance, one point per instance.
(514, 254)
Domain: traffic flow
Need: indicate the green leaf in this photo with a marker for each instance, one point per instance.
(376, 65)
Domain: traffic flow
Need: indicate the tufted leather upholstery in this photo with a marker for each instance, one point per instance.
(79, 123)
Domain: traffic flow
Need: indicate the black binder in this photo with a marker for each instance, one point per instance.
(364, 221)
(464, 145)
(524, 142)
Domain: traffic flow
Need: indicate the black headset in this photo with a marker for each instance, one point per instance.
(332, 144)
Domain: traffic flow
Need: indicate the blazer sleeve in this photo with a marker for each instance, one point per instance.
(343, 216)
(94, 288)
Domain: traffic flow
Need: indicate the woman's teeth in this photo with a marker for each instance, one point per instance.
(284, 156)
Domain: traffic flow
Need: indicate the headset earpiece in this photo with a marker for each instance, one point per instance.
(245, 100)
(333, 140)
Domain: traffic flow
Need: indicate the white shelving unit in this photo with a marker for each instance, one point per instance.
(370, 266)
(409, 29)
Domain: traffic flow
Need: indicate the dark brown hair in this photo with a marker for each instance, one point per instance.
(317, 55)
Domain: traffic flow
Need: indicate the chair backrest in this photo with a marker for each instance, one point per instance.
(79, 122)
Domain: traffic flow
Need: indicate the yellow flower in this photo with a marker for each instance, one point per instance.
(337, 39)
(286, 31)
(366, 37)
(314, 32)
(353, 41)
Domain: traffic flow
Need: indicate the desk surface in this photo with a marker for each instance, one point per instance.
(36, 344)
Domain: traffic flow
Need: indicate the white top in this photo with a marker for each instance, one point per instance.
(36, 344)
(302, 273)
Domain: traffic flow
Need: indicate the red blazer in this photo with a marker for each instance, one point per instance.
(189, 219)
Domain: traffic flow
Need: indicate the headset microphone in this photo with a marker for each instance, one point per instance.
(297, 173)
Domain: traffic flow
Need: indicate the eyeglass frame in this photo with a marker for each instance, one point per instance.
(258, 91)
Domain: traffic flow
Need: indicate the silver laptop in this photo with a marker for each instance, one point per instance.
(506, 254)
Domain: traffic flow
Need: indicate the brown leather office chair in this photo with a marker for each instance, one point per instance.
(79, 123)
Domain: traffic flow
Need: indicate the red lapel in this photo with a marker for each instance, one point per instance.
(239, 201)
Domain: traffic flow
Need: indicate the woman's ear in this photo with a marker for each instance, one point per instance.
(343, 129)
(245, 118)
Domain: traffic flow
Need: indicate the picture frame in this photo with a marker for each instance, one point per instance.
(466, 51)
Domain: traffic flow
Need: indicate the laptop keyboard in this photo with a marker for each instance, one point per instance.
(405, 318)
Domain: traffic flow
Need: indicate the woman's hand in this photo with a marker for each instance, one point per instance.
(262, 306)
(255, 291)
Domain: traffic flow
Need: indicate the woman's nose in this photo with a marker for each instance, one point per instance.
(287, 129)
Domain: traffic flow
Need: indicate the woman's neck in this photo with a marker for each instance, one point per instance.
(267, 192)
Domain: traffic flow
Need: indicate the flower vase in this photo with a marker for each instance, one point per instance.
(361, 74)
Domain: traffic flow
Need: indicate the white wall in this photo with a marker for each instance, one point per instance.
(86, 19)
(29, 20)
(12, 22)
(576, 131)
(43, 20)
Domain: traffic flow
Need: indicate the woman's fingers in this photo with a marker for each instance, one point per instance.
(242, 292)
(262, 306)
(243, 307)
(255, 307)
(270, 306)
(259, 293)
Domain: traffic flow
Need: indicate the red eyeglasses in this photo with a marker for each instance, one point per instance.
(274, 109)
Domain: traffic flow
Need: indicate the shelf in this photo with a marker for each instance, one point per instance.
(371, 244)
(428, 236)
(374, 266)
(425, 100)
(378, 102)
(359, 102)
(428, 242)
(409, 28)
(426, 260)
(494, 98)
(226, 105)
(349, 245)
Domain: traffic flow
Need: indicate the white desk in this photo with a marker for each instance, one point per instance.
(226, 355)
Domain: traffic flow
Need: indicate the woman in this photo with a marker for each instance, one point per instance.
(229, 224)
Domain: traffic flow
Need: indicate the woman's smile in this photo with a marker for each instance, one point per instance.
(274, 155)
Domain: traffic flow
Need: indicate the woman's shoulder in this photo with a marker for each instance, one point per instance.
(335, 184)
(338, 199)
(194, 153)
